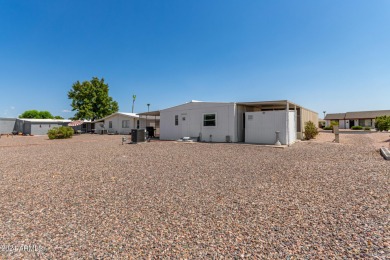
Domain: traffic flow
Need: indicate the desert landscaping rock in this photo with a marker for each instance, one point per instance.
(92, 197)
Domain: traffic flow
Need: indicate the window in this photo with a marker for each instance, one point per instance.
(125, 123)
(137, 124)
(176, 120)
(109, 124)
(209, 120)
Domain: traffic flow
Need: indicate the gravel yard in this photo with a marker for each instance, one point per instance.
(91, 197)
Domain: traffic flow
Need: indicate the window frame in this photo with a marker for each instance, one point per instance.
(110, 124)
(176, 120)
(127, 124)
(209, 120)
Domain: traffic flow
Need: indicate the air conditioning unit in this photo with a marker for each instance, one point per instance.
(137, 135)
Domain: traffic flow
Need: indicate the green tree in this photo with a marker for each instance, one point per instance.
(58, 117)
(36, 114)
(30, 114)
(45, 115)
(91, 100)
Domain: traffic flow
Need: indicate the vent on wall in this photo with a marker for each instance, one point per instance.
(250, 117)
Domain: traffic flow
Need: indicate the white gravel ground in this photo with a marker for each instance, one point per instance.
(91, 197)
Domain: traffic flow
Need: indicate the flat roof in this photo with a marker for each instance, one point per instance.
(272, 103)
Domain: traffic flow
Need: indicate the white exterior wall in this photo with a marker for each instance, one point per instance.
(263, 125)
(7, 125)
(191, 122)
(292, 127)
(98, 128)
(41, 128)
(346, 124)
(117, 124)
(342, 124)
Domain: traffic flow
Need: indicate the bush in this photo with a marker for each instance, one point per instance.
(62, 132)
(382, 123)
(357, 127)
(367, 128)
(332, 123)
(328, 128)
(311, 130)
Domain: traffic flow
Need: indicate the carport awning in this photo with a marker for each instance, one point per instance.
(151, 113)
(76, 123)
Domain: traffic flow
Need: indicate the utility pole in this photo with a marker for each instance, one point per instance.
(132, 108)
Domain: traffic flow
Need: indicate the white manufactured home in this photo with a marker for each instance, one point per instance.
(249, 122)
(122, 123)
(117, 123)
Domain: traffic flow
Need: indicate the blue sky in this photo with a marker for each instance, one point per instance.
(324, 55)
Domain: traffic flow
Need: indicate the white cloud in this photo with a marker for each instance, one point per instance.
(12, 108)
(66, 111)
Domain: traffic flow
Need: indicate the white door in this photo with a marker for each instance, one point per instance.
(184, 124)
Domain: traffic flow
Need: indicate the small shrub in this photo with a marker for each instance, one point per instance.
(332, 123)
(311, 130)
(357, 127)
(328, 128)
(367, 128)
(382, 123)
(62, 132)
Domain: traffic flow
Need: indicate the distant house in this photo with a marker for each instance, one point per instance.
(29, 126)
(117, 123)
(361, 118)
(122, 123)
(250, 122)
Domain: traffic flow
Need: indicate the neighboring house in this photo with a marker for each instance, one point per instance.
(361, 118)
(250, 122)
(339, 118)
(29, 126)
(117, 123)
(122, 123)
